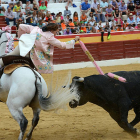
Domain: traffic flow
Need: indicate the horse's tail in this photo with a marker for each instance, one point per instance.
(57, 100)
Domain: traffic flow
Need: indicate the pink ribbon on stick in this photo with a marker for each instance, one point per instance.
(97, 67)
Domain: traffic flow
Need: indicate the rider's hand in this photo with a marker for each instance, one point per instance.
(77, 38)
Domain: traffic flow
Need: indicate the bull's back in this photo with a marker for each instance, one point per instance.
(109, 87)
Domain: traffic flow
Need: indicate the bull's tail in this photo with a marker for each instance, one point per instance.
(57, 100)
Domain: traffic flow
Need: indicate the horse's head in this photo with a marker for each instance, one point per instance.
(78, 87)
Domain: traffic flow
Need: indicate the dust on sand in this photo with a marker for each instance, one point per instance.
(88, 122)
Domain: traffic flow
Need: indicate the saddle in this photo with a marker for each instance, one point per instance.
(12, 62)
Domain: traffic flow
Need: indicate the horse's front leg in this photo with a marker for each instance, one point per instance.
(35, 120)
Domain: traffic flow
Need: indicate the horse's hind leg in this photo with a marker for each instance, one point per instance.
(137, 118)
(35, 120)
(20, 118)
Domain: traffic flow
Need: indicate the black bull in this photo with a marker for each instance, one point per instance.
(115, 97)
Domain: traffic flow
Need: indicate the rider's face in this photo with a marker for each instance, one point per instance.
(55, 32)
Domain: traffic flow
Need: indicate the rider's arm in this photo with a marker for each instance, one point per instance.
(62, 45)
(23, 29)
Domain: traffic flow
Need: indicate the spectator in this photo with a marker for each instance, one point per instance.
(43, 8)
(83, 28)
(138, 26)
(71, 24)
(109, 12)
(83, 17)
(9, 16)
(63, 26)
(88, 27)
(67, 31)
(119, 3)
(95, 25)
(138, 19)
(60, 13)
(2, 9)
(58, 18)
(119, 27)
(75, 18)
(131, 8)
(117, 16)
(35, 8)
(100, 24)
(34, 19)
(28, 7)
(60, 30)
(129, 1)
(123, 9)
(85, 6)
(92, 21)
(94, 6)
(17, 9)
(114, 4)
(113, 23)
(40, 24)
(67, 19)
(47, 17)
(107, 25)
(93, 30)
(137, 4)
(130, 19)
(45, 1)
(100, 30)
(106, 29)
(69, 2)
(11, 6)
(18, 23)
(90, 16)
(125, 24)
(21, 18)
(113, 29)
(67, 12)
(39, 16)
(29, 18)
(129, 28)
(100, 16)
(104, 5)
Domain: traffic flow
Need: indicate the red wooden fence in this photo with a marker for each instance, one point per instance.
(100, 51)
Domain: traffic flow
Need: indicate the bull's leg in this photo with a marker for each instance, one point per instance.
(124, 107)
(137, 118)
(121, 115)
(35, 120)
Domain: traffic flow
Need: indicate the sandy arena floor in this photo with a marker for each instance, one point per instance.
(88, 122)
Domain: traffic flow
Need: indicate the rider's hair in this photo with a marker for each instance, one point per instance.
(50, 27)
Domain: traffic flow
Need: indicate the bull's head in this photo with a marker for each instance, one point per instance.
(77, 86)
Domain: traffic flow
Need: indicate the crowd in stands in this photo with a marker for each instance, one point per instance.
(99, 16)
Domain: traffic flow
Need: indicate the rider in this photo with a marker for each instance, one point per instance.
(38, 43)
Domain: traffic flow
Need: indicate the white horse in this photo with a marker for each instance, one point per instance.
(18, 90)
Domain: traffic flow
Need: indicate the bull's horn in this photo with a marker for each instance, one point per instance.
(79, 80)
